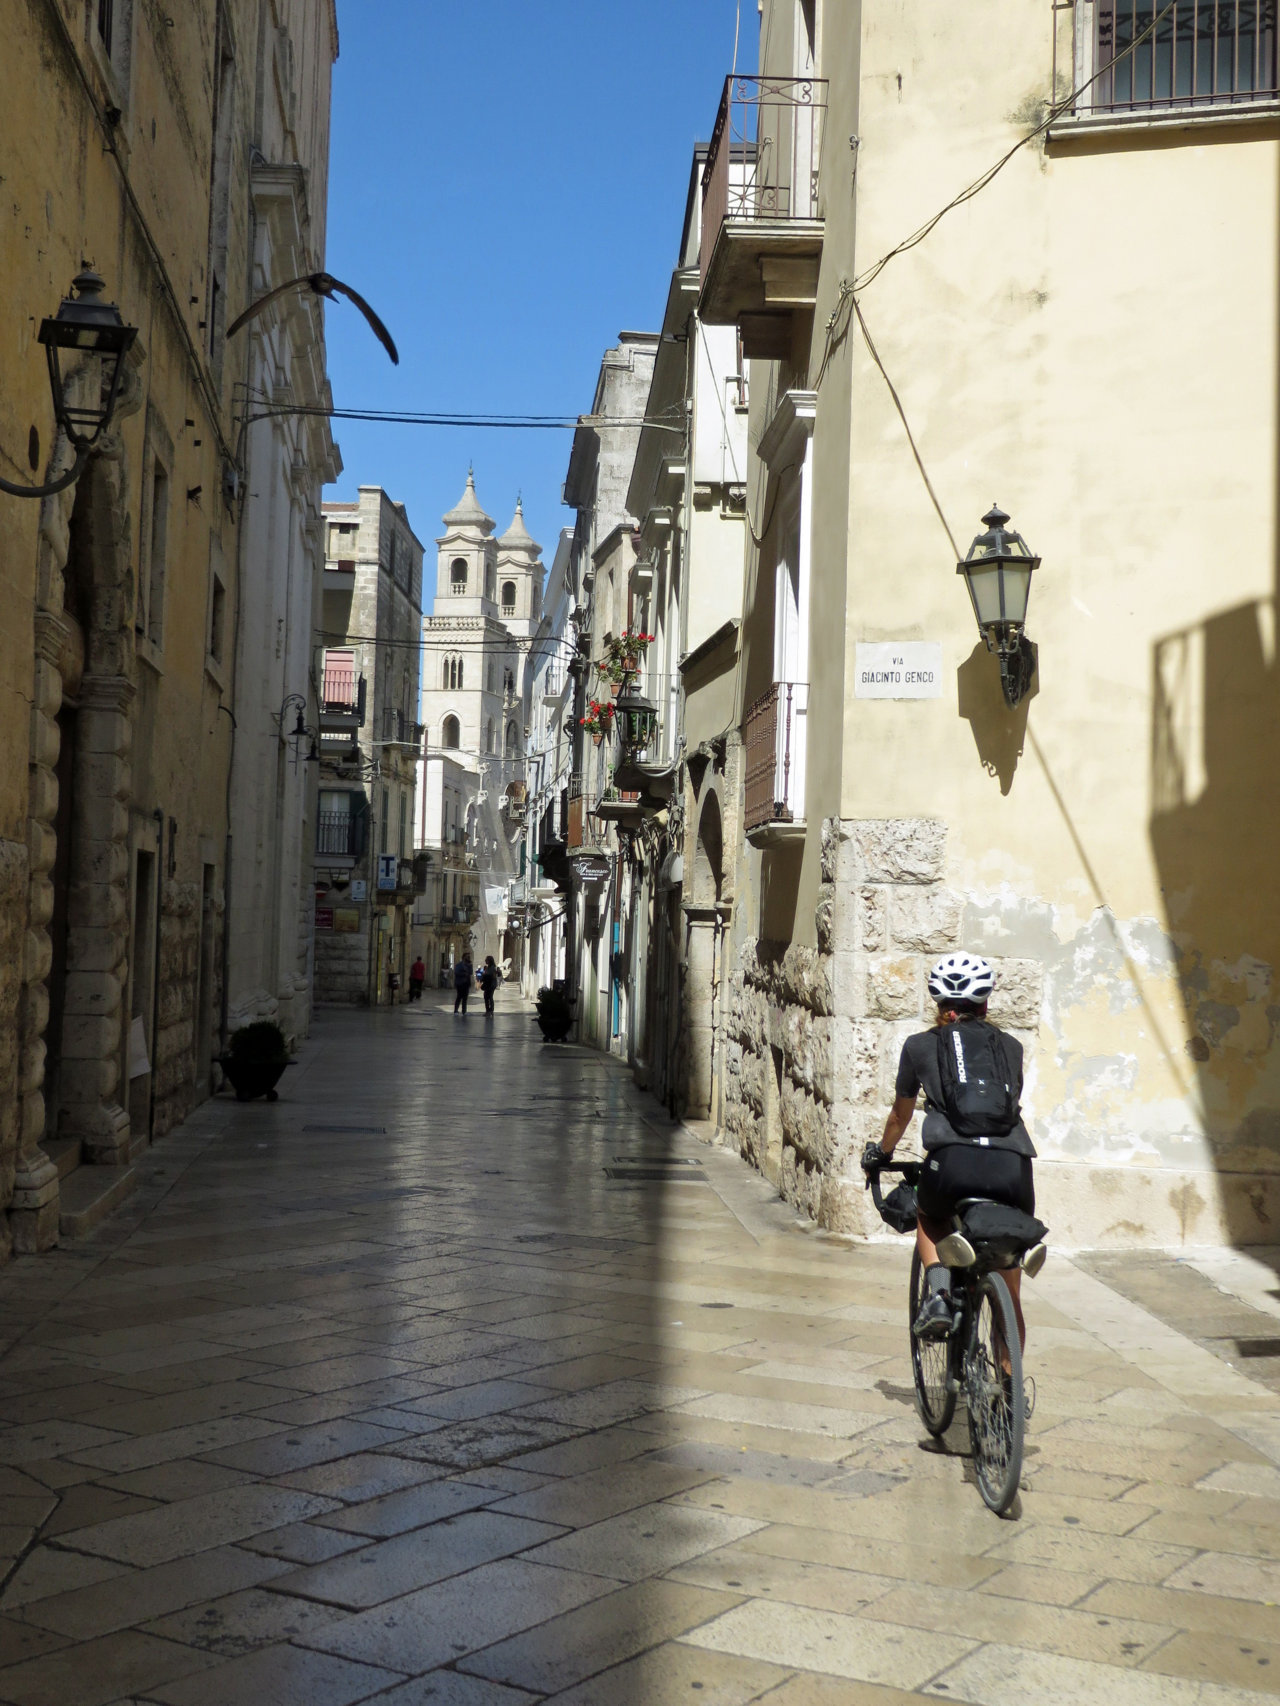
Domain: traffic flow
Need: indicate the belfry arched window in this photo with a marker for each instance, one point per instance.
(452, 674)
(458, 576)
(513, 739)
(450, 733)
(508, 598)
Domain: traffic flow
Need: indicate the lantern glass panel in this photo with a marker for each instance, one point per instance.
(1017, 590)
(983, 581)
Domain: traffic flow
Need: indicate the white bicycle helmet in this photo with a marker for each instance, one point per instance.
(961, 977)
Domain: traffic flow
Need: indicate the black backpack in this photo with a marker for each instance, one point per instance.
(976, 1068)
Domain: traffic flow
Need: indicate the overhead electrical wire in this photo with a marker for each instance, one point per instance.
(849, 287)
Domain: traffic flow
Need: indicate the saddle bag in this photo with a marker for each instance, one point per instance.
(1000, 1232)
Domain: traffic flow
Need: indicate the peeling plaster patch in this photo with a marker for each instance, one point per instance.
(1100, 1074)
(1214, 1019)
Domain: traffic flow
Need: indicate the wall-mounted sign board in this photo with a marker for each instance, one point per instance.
(898, 669)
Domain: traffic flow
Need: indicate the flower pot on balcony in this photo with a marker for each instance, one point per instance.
(597, 736)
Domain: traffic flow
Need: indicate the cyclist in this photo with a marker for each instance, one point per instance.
(997, 1167)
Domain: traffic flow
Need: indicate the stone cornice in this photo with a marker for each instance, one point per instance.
(783, 440)
(106, 693)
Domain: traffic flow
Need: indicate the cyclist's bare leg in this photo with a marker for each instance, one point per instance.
(1013, 1279)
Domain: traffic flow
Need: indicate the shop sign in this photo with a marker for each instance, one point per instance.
(346, 918)
(324, 918)
(592, 871)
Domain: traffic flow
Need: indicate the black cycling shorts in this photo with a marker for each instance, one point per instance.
(971, 1170)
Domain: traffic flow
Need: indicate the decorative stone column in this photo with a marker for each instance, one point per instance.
(33, 1198)
(97, 943)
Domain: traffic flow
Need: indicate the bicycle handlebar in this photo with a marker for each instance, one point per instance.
(910, 1171)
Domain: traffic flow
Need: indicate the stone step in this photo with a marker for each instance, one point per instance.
(64, 1152)
(88, 1196)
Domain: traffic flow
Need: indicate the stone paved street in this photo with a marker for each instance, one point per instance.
(460, 1376)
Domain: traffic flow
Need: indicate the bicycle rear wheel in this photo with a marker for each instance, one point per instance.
(997, 1414)
(930, 1364)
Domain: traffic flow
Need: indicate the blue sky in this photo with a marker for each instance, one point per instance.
(507, 184)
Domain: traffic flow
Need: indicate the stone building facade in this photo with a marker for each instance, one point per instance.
(132, 147)
(369, 749)
(476, 700)
(1106, 837)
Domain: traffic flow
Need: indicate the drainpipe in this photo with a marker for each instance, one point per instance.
(578, 670)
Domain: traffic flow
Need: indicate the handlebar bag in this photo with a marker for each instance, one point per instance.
(898, 1209)
(1003, 1231)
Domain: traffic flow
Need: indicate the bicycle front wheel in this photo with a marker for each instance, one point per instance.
(930, 1364)
(997, 1414)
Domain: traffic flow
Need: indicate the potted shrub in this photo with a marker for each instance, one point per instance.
(555, 1014)
(256, 1056)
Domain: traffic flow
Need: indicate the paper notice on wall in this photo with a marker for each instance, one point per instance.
(139, 1065)
(495, 901)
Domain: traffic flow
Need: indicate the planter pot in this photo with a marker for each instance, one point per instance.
(597, 735)
(250, 1078)
(555, 1027)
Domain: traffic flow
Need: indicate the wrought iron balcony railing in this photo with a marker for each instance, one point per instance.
(339, 833)
(774, 730)
(342, 698)
(399, 730)
(762, 165)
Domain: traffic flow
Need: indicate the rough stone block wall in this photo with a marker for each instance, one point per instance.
(174, 1063)
(342, 968)
(838, 1014)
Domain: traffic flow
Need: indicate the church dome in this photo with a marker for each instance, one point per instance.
(468, 512)
(517, 537)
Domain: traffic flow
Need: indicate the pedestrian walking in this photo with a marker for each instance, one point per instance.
(417, 977)
(463, 972)
(488, 977)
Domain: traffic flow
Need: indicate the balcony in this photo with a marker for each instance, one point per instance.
(398, 730)
(761, 226)
(339, 835)
(775, 731)
(342, 700)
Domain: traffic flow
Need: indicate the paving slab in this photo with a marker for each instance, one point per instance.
(464, 1420)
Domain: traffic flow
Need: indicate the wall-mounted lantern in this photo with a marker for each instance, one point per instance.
(637, 718)
(997, 571)
(84, 325)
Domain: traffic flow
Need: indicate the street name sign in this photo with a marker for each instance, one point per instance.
(898, 669)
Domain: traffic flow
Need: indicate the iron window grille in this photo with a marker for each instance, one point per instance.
(1199, 54)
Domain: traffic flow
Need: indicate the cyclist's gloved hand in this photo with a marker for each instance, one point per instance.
(874, 1158)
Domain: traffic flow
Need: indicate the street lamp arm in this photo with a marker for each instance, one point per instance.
(324, 284)
(51, 487)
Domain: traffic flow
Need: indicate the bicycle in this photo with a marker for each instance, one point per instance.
(984, 1332)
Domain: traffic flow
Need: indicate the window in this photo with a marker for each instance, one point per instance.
(488, 582)
(509, 683)
(149, 615)
(339, 690)
(458, 576)
(452, 673)
(513, 740)
(217, 604)
(340, 822)
(488, 735)
(449, 733)
(508, 598)
(386, 819)
(1201, 52)
(106, 18)
(404, 826)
